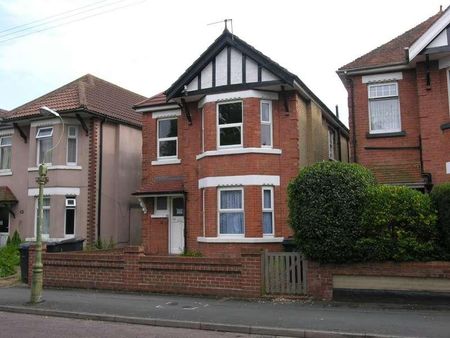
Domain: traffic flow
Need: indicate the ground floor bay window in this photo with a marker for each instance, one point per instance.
(231, 211)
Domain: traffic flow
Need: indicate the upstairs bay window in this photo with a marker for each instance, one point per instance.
(5, 153)
(266, 124)
(384, 108)
(231, 211)
(72, 137)
(229, 124)
(44, 144)
(167, 138)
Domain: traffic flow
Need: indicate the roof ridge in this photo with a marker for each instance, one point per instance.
(95, 78)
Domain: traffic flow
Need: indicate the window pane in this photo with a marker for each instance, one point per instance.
(72, 150)
(267, 199)
(178, 207)
(5, 157)
(230, 136)
(46, 202)
(72, 132)
(161, 203)
(384, 114)
(383, 90)
(267, 223)
(46, 222)
(230, 113)
(70, 221)
(168, 128)
(6, 141)
(167, 148)
(231, 199)
(44, 145)
(44, 132)
(232, 223)
(265, 112)
(266, 139)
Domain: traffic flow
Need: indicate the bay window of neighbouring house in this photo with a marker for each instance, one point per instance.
(267, 210)
(266, 124)
(384, 108)
(331, 143)
(69, 228)
(231, 211)
(5, 153)
(45, 227)
(229, 124)
(44, 144)
(72, 140)
(167, 135)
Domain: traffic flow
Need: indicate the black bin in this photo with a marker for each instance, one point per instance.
(290, 245)
(72, 244)
(24, 254)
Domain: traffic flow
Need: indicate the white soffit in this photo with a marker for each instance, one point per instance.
(440, 40)
(217, 181)
(238, 95)
(382, 77)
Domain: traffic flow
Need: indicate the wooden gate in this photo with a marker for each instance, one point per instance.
(284, 273)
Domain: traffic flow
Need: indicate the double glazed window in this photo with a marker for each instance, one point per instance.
(5, 152)
(229, 122)
(266, 124)
(72, 135)
(71, 204)
(231, 211)
(167, 138)
(267, 208)
(331, 138)
(161, 206)
(46, 216)
(384, 108)
(44, 144)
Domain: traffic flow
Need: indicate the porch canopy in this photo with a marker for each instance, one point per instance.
(7, 199)
(162, 186)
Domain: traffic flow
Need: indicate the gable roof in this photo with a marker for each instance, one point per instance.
(3, 112)
(392, 52)
(156, 100)
(88, 93)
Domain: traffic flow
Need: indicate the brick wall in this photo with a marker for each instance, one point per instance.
(320, 276)
(130, 270)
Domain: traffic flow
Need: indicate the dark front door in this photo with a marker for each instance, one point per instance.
(4, 225)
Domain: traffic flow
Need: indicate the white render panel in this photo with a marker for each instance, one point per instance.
(6, 132)
(238, 95)
(64, 191)
(206, 77)
(447, 167)
(217, 181)
(440, 40)
(193, 85)
(236, 66)
(267, 76)
(251, 71)
(221, 68)
(382, 77)
(444, 62)
(168, 113)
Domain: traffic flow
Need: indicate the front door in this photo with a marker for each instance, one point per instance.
(4, 225)
(176, 229)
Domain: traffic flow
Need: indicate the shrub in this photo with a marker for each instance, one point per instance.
(9, 260)
(15, 240)
(399, 223)
(440, 196)
(326, 202)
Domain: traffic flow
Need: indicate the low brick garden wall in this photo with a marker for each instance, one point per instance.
(320, 276)
(131, 270)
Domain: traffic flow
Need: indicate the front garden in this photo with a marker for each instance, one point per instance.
(9, 256)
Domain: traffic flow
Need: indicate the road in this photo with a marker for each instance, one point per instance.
(24, 325)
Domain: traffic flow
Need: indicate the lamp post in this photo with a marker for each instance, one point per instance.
(42, 179)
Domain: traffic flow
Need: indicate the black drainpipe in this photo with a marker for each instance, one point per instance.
(100, 175)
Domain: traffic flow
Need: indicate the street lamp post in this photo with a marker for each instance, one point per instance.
(42, 179)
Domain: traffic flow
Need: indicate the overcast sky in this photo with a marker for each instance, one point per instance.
(146, 46)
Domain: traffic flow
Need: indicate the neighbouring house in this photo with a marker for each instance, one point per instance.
(92, 172)
(220, 147)
(398, 98)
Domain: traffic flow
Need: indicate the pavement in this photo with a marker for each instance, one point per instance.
(274, 317)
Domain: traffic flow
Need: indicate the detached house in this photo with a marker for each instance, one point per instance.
(92, 172)
(220, 147)
(398, 97)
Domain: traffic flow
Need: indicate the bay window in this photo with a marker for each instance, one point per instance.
(267, 209)
(167, 138)
(231, 211)
(44, 144)
(45, 228)
(229, 124)
(5, 153)
(72, 135)
(384, 108)
(266, 124)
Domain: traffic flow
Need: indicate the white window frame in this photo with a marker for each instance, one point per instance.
(203, 130)
(331, 143)
(76, 145)
(229, 125)
(384, 131)
(161, 212)
(73, 207)
(269, 123)
(4, 146)
(219, 211)
(38, 137)
(158, 140)
(271, 210)
(44, 207)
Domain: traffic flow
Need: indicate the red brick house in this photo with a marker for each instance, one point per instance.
(220, 147)
(398, 98)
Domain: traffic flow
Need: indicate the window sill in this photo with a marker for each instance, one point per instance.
(382, 135)
(58, 167)
(6, 172)
(49, 239)
(164, 162)
(159, 216)
(237, 151)
(240, 239)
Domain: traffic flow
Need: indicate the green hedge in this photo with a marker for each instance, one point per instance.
(326, 202)
(440, 196)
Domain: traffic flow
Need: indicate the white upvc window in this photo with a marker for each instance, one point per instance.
(268, 212)
(44, 140)
(167, 135)
(161, 206)
(231, 220)
(203, 130)
(72, 145)
(331, 143)
(46, 217)
(5, 152)
(70, 217)
(266, 124)
(384, 108)
(230, 124)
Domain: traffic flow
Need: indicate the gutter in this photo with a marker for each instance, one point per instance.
(374, 69)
